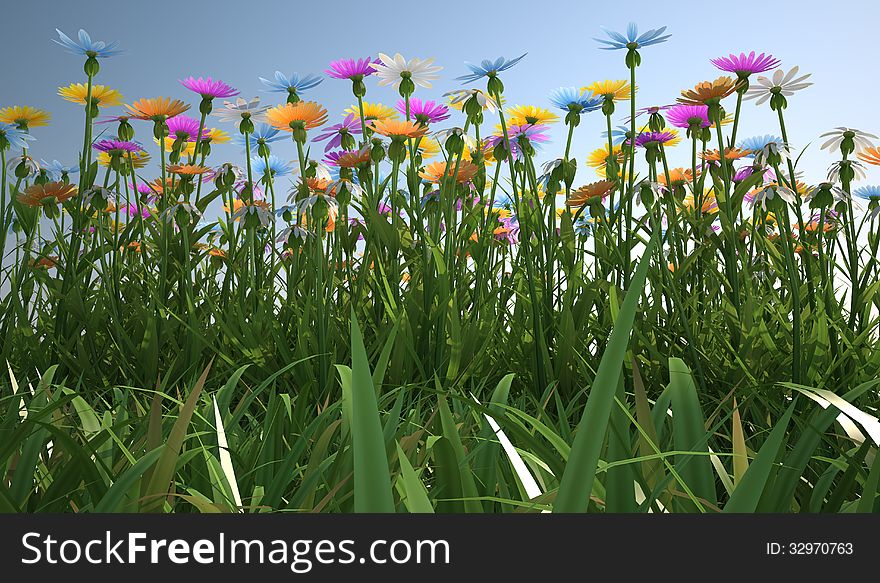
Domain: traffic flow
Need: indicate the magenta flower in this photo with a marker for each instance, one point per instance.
(535, 134)
(646, 139)
(185, 128)
(745, 65)
(117, 146)
(131, 210)
(353, 69)
(424, 112)
(684, 116)
(336, 133)
(209, 88)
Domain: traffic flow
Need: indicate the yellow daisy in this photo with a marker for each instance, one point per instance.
(189, 149)
(599, 157)
(138, 159)
(25, 116)
(218, 136)
(372, 111)
(618, 90)
(530, 115)
(428, 148)
(102, 95)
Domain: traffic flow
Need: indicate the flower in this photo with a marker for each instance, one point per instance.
(745, 65)
(49, 194)
(784, 84)
(590, 194)
(209, 88)
(459, 97)
(391, 128)
(729, 154)
(184, 127)
(55, 169)
(709, 205)
(424, 112)
(188, 169)
(687, 116)
(114, 146)
(346, 159)
(156, 108)
(647, 139)
(435, 171)
(86, 46)
(618, 90)
(336, 133)
(870, 193)
(677, 177)
(861, 140)
(428, 148)
(29, 163)
(293, 85)
(598, 158)
(574, 99)
(870, 155)
(757, 143)
(275, 167)
(488, 68)
(392, 71)
(188, 148)
(533, 133)
(771, 191)
(618, 135)
(241, 109)
(372, 111)
(632, 39)
(262, 134)
(12, 137)
(352, 69)
(102, 95)
(530, 115)
(139, 159)
(306, 113)
(216, 136)
(180, 207)
(708, 92)
(25, 116)
(856, 168)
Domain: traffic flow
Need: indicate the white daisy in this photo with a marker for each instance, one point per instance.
(391, 71)
(241, 109)
(837, 135)
(784, 83)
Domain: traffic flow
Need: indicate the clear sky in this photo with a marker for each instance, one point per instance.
(241, 41)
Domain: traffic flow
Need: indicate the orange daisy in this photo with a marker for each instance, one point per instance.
(729, 154)
(435, 171)
(187, 169)
(47, 194)
(156, 108)
(677, 177)
(870, 155)
(590, 193)
(398, 129)
(352, 159)
(308, 113)
(709, 91)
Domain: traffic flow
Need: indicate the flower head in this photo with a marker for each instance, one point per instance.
(530, 115)
(574, 99)
(615, 90)
(186, 128)
(688, 116)
(295, 84)
(24, 116)
(102, 96)
(372, 111)
(459, 97)
(273, 166)
(424, 112)
(345, 159)
(782, 85)
(435, 171)
(336, 133)
(188, 169)
(758, 143)
(860, 140)
(209, 88)
(56, 170)
(708, 92)
(156, 108)
(308, 114)
(648, 139)
(114, 146)
(352, 69)
(397, 129)
(139, 158)
(488, 68)
(729, 154)
(598, 158)
(241, 109)
(870, 155)
(870, 193)
(86, 46)
(45, 195)
(394, 70)
(262, 134)
(590, 194)
(12, 137)
(632, 39)
(745, 65)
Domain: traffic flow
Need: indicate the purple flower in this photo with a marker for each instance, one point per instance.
(185, 127)
(112, 145)
(354, 69)
(209, 88)
(508, 231)
(746, 171)
(683, 116)
(745, 65)
(646, 139)
(424, 112)
(336, 132)
(131, 210)
(535, 134)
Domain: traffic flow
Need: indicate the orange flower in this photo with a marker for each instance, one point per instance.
(156, 185)
(187, 169)
(353, 159)
(47, 262)
(392, 128)
(677, 177)
(435, 171)
(317, 184)
(590, 193)
(135, 246)
(309, 113)
(50, 193)
(215, 252)
(156, 108)
(709, 91)
(870, 155)
(729, 154)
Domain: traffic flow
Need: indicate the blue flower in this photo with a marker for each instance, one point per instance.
(489, 68)
(276, 166)
(566, 97)
(618, 135)
(86, 46)
(14, 137)
(619, 41)
(56, 170)
(868, 192)
(265, 133)
(292, 84)
(757, 143)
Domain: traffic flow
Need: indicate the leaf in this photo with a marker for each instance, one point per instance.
(415, 496)
(225, 458)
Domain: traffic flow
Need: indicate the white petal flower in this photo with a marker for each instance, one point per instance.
(392, 70)
(784, 83)
(240, 109)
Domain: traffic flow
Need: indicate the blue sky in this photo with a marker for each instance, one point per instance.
(241, 41)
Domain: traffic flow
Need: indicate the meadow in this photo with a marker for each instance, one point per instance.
(426, 311)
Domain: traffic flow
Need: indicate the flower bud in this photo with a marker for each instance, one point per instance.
(206, 106)
(91, 66)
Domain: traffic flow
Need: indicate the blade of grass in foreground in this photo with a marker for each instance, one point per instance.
(372, 478)
(580, 471)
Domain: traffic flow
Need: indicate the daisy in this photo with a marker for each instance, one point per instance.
(86, 46)
(372, 111)
(612, 90)
(294, 85)
(339, 135)
(156, 109)
(399, 130)
(488, 68)
(459, 97)
(24, 116)
(435, 171)
(530, 115)
(836, 137)
(102, 96)
(782, 85)
(241, 109)
(424, 112)
(590, 194)
(352, 69)
(45, 195)
(12, 137)
(745, 65)
(688, 116)
(393, 71)
(576, 100)
(708, 92)
(598, 158)
(871, 155)
(209, 88)
(305, 115)
(632, 39)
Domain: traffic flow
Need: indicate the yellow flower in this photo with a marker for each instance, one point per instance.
(599, 157)
(618, 90)
(530, 115)
(428, 148)
(308, 113)
(372, 111)
(25, 116)
(138, 159)
(102, 95)
(156, 108)
(709, 206)
(188, 149)
(217, 136)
